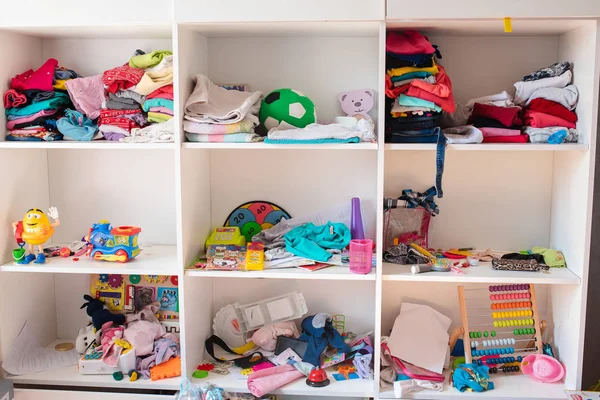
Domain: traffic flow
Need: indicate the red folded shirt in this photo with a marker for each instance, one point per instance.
(40, 79)
(552, 108)
(538, 119)
(408, 42)
(506, 139)
(165, 92)
(121, 78)
(507, 116)
(439, 93)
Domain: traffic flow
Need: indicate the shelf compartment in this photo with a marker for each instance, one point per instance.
(70, 376)
(484, 273)
(153, 260)
(491, 147)
(331, 273)
(349, 388)
(265, 146)
(505, 387)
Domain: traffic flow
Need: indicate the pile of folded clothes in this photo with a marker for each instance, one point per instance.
(214, 114)
(418, 89)
(550, 101)
(35, 102)
(498, 120)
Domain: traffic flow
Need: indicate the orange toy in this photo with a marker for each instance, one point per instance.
(169, 369)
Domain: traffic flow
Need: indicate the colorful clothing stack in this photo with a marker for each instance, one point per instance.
(214, 114)
(549, 101)
(126, 114)
(418, 89)
(33, 105)
(498, 121)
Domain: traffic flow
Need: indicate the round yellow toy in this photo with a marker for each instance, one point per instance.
(35, 230)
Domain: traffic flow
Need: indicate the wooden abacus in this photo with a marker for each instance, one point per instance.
(513, 312)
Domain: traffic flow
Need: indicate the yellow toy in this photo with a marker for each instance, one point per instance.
(35, 230)
(255, 256)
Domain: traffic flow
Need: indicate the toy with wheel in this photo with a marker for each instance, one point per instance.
(113, 244)
(255, 216)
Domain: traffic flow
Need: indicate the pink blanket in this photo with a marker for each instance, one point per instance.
(267, 380)
(493, 132)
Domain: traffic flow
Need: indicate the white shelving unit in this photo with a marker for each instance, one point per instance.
(497, 196)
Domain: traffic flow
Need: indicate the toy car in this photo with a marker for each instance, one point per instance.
(113, 244)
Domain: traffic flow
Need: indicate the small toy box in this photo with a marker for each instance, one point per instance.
(227, 235)
(6, 390)
(91, 363)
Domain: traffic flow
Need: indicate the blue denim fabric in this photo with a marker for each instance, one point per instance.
(439, 162)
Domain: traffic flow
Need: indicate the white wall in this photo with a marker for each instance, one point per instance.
(125, 187)
(498, 200)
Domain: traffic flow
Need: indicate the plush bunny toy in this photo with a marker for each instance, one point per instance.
(100, 315)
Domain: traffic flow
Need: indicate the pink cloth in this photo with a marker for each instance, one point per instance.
(408, 42)
(144, 328)
(162, 110)
(537, 119)
(267, 380)
(43, 113)
(495, 132)
(87, 95)
(111, 352)
(40, 79)
(507, 139)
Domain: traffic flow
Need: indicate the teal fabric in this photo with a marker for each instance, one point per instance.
(411, 75)
(310, 240)
(60, 100)
(157, 102)
(76, 126)
(409, 101)
(313, 141)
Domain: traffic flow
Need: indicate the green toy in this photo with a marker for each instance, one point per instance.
(287, 108)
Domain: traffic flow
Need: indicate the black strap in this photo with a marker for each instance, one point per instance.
(242, 362)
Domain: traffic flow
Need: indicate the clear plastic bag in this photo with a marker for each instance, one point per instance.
(189, 391)
(409, 225)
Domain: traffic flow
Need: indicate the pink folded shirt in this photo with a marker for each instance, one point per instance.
(87, 95)
(495, 132)
(537, 119)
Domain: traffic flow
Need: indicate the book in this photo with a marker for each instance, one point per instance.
(226, 257)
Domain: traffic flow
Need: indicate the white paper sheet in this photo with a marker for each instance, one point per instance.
(27, 356)
(420, 336)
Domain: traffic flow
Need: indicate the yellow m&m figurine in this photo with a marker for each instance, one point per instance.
(35, 230)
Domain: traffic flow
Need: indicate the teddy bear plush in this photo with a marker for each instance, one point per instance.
(357, 102)
(266, 337)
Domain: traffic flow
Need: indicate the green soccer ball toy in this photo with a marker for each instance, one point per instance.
(287, 108)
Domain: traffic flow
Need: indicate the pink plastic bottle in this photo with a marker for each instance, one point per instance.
(361, 256)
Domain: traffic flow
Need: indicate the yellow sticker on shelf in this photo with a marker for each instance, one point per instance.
(507, 25)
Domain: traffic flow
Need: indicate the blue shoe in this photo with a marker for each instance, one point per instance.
(41, 259)
(28, 258)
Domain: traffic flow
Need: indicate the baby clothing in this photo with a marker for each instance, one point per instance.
(149, 60)
(121, 78)
(567, 96)
(76, 126)
(213, 104)
(39, 79)
(151, 81)
(87, 95)
(161, 132)
(524, 90)
(555, 69)
(244, 126)
(463, 134)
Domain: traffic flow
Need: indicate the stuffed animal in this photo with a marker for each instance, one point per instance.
(318, 332)
(86, 338)
(266, 337)
(100, 315)
(357, 102)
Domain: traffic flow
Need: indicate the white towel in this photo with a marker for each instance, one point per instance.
(463, 134)
(363, 130)
(567, 96)
(213, 104)
(526, 89)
